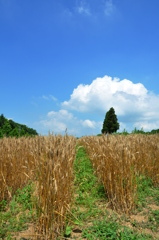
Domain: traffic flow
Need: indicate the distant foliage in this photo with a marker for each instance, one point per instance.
(9, 128)
(154, 131)
(141, 131)
(138, 131)
(110, 124)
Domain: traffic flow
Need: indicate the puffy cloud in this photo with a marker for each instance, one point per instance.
(88, 123)
(58, 120)
(132, 102)
(105, 92)
(62, 120)
(84, 112)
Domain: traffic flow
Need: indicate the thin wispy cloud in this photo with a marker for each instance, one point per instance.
(67, 13)
(49, 97)
(109, 8)
(83, 8)
(91, 9)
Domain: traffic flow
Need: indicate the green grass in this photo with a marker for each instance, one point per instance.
(153, 220)
(146, 192)
(111, 230)
(144, 189)
(88, 189)
(15, 215)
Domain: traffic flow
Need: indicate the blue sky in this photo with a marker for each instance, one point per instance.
(64, 63)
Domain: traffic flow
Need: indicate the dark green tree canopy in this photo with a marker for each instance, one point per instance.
(9, 128)
(110, 123)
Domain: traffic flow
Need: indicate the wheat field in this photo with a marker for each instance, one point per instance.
(48, 162)
(118, 161)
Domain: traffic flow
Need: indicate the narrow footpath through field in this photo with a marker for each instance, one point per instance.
(90, 200)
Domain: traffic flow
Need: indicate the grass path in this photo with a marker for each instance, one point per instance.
(89, 195)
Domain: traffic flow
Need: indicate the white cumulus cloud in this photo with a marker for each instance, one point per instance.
(105, 92)
(84, 112)
(63, 120)
(88, 123)
(133, 103)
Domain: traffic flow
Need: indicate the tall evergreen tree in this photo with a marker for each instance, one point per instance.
(110, 123)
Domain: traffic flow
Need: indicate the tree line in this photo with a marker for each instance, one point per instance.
(9, 128)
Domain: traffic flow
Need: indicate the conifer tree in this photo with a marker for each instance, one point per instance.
(110, 123)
